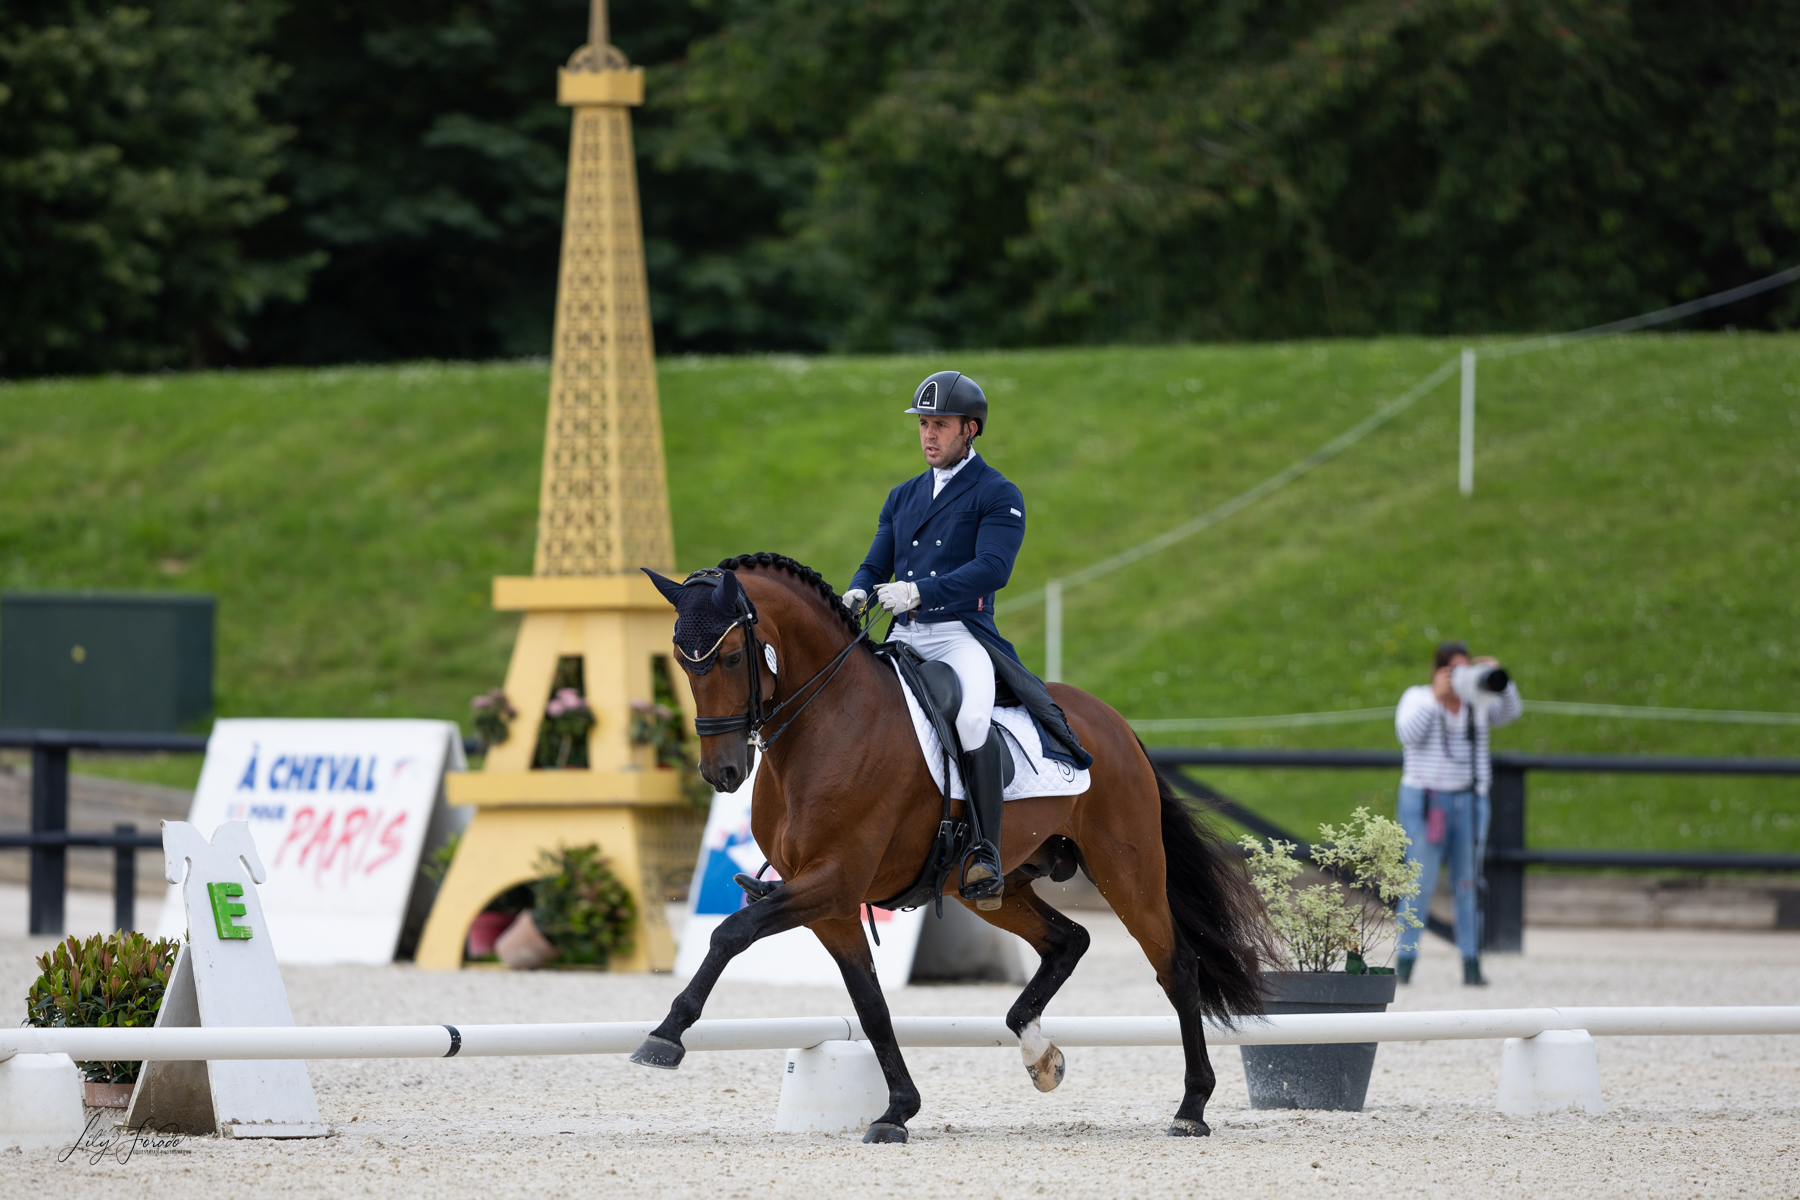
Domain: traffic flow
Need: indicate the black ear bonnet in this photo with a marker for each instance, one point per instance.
(708, 604)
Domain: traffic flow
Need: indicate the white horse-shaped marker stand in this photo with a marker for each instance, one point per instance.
(225, 975)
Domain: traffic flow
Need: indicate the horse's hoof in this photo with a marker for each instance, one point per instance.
(1043, 1061)
(882, 1133)
(1047, 1071)
(660, 1053)
(1188, 1127)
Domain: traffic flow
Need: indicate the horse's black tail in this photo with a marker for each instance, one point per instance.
(1217, 913)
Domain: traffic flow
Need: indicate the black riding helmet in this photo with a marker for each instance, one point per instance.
(951, 394)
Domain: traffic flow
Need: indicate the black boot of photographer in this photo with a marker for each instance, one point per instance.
(1472, 973)
(982, 883)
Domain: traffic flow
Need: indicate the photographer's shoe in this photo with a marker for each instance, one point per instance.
(1472, 973)
(1403, 968)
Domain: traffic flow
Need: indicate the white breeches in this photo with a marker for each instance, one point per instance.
(951, 642)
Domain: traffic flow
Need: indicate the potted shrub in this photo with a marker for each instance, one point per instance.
(115, 981)
(1349, 920)
(582, 915)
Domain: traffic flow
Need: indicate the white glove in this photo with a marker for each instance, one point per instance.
(898, 598)
(855, 598)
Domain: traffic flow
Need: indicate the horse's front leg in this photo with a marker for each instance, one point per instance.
(791, 905)
(843, 937)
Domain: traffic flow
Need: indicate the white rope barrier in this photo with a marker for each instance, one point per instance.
(1560, 708)
(622, 1037)
(1465, 360)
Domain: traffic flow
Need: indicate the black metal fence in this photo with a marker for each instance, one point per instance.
(50, 836)
(1503, 869)
(1507, 854)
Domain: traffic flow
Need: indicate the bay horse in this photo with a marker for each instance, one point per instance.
(847, 811)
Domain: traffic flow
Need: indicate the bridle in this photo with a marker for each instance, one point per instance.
(753, 720)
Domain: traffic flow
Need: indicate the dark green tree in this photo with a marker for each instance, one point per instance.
(1443, 165)
(428, 165)
(133, 158)
(1147, 169)
(890, 174)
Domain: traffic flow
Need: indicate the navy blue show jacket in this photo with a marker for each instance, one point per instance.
(959, 548)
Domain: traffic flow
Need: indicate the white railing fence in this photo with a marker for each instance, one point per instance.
(622, 1037)
(831, 1081)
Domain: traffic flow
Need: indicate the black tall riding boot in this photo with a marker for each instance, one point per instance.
(983, 777)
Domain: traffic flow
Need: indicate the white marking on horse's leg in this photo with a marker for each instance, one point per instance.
(1033, 1043)
(1043, 1061)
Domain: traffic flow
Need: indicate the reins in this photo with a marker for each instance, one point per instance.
(754, 718)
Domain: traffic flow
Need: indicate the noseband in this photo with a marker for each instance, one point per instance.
(753, 720)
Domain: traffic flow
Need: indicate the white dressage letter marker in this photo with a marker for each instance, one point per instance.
(225, 976)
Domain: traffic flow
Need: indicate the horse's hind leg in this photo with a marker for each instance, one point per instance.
(1198, 1078)
(1060, 943)
(844, 940)
(1141, 901)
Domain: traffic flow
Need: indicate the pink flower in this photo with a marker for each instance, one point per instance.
(482, 702)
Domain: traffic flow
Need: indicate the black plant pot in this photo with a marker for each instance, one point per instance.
(1334, 1076)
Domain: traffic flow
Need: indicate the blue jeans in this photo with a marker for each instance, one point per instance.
(1466, 817)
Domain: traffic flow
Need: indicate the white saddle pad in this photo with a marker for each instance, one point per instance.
(1033, 774)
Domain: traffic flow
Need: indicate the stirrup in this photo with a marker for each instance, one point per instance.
(985, 889)
(756, 889)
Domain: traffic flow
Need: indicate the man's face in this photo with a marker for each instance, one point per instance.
(944, 439)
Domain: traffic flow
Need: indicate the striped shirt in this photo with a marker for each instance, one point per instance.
(1448, 752)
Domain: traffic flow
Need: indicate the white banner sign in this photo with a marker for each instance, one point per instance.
(341, 813)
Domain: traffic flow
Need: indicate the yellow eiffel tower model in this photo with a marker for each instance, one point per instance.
(602, 514)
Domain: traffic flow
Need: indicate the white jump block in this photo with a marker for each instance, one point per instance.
(1556, 1071)
(834, 1087)
(40, 1102)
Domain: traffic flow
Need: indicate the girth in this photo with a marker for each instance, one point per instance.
(939, 694)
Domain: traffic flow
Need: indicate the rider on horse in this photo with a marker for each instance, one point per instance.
(947, 539)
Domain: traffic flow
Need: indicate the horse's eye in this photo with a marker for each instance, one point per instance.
(734, 658)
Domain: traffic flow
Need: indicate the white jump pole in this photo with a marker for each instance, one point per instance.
(1465, 475)
(1053, 631)
(622, 1037)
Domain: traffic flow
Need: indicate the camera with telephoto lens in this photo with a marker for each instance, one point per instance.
(1479, 684)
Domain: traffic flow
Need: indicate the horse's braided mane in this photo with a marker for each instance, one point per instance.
(804, 574)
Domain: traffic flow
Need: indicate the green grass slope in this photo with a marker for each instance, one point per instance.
(1629, 540)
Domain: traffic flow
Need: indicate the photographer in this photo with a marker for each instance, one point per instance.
(1444, 728)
